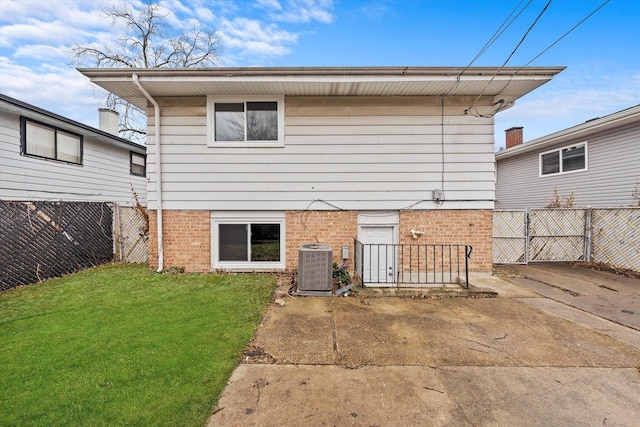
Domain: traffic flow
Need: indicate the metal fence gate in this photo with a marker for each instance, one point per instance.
(607, 235)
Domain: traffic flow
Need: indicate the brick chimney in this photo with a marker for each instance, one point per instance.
(108, 121)
(513, 136)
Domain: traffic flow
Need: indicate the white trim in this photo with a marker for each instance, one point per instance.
(211, 122)
(244, 217)
(378, 218)
(559, 150)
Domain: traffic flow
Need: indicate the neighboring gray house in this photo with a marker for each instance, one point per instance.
(44, 156)
(598, 161)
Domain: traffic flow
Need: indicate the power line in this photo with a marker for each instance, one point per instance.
(508, 58)
(551, 45)
(501, 29)
(565, 34)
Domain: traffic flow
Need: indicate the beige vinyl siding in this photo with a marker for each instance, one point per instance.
(353, 152)
(612, 173)
(103, 176)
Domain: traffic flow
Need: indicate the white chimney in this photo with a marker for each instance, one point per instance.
(109, 121)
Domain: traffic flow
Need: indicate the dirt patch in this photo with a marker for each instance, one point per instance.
(601, 266)
(254, 354)
(501, 270)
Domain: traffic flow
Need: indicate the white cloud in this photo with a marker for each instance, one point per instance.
(269, 4)
(252, 37)
(42, 52)
(46, 86)
(570, 100)
(299, 10)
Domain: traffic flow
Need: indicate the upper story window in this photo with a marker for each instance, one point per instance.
(246, 122)
(49, 142)
(138, 164)
(562, 160)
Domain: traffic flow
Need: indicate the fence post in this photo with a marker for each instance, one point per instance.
(588, 233)
(527, 231)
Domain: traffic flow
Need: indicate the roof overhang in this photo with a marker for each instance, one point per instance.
(582, 131)
(507, 84)
(20, 108)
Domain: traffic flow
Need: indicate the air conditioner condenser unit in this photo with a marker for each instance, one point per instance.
(315, 270)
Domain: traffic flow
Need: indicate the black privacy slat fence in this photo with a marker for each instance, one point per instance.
(41, 240)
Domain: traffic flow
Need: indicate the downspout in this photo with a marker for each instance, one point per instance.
(157, 133)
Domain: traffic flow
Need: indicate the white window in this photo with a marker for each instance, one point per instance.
(49, 142)
(248, 240)
(137, 164)
(245, 122)
(572, 158)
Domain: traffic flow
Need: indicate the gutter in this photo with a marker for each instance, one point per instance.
(157, 133)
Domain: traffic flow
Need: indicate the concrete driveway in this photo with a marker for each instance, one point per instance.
(457, 361)
(610, 296)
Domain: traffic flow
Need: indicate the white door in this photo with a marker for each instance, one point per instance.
(379, 255)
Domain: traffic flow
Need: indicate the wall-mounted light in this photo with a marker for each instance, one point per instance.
(416, 233)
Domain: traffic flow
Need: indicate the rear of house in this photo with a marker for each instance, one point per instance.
(596, 162)
(248, 164)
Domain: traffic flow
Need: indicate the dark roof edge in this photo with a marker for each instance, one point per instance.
(624, 116)
(68, 121)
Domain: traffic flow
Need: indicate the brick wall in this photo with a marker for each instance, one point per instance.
(187, 234)
(334, 228)
(187, 240)
(464, 227)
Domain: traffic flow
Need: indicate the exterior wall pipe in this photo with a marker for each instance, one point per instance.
(157, 133)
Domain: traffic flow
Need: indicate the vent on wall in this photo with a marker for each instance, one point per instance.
(315, 274)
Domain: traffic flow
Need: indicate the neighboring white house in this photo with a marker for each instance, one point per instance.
(247, 164)
(598, 162)
(44, 156)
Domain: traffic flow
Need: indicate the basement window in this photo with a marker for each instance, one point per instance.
(245, 122)
(572, 158)
(49, 142)
(248, 241)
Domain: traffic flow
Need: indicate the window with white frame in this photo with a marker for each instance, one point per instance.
(571, 158)
(49, 142)
(246, 122)
(248, 240)
(137, 164)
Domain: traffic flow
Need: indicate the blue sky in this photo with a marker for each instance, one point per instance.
(602, 55)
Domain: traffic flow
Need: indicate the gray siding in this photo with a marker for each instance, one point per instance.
(357, 153)
(103, 176)
(612, 174)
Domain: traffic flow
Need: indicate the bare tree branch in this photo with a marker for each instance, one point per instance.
(147, 41)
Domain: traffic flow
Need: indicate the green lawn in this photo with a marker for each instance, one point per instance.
(118, 345)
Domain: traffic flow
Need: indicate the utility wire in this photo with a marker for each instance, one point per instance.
(564, 35)
(508, 59)
(501, 29)
(549, 47)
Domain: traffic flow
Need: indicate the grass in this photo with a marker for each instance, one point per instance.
(118, 345)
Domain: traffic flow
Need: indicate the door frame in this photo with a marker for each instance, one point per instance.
(381, 219)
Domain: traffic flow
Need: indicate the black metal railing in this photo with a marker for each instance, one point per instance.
(412, 264)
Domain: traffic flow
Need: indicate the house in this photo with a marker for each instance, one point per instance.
(248, 164)
(44, 156)
(59, 180)
(596, 162)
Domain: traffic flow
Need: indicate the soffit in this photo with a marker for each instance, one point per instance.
(390, 81)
